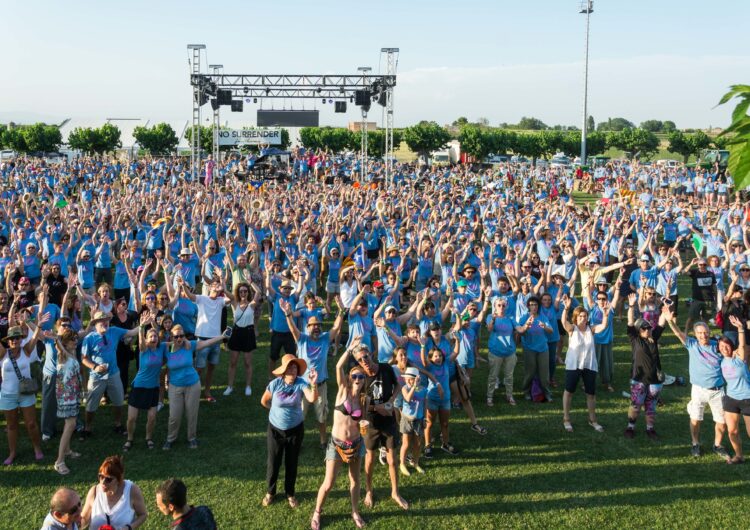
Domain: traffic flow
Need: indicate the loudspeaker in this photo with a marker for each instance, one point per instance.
(237, 105)
(224, 97)
(341, 106)
(382, 98)
(362, 98)
(215, 103)
(203, 99)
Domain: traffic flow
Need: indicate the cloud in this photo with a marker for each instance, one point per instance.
(683, 89)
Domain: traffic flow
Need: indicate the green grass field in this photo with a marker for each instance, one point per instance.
(526, 473)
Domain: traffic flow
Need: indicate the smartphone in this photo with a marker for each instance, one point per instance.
(668, 301)
(228, 332)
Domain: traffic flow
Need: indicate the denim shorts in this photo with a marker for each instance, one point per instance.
(209, 354)
(438, 404)
(14, 401)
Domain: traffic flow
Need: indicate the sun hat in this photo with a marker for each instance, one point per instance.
(186, 252)
(286, 360)
(100, 316)
(14, 332)
(411, 372)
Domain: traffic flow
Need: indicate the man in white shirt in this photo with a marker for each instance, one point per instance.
(208, 326)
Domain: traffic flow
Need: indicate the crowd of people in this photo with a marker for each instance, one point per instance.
(120, 278)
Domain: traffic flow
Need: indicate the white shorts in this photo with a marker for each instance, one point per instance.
(699, 397)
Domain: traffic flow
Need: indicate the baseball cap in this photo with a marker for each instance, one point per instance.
(642, 323)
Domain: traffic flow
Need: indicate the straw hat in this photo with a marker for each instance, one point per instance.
(286, 360)
(100, 316)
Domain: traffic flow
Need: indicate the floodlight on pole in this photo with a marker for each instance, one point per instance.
(587, 7)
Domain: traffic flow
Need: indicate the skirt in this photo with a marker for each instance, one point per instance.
(67, 410)
(242, 339)
(143, 398)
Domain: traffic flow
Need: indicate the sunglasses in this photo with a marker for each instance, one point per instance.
(73, 510)
(365, 358)
(150, 298)
(358, 377)
(178, 336)
(105, 478)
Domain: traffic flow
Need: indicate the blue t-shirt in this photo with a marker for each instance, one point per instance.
(705, 364)
(414, 408)
(180, 365)
(50, 358)
(360, 326)
(502, 342)
(737, 375)
(442, 373)
(102, 349)
(315, 353)
(278, 319)
(597, 316)
(386, 345)
(286, 402)
(535, 338)
(149, 367)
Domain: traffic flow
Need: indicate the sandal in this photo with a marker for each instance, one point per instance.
(127, 446)
(293, 502)
(736, 460)
(72, 454)
(358, 521)
(568, 426)
(150, 444)
(62, 468)
(315, 521)
(267, 500)
(596, 426)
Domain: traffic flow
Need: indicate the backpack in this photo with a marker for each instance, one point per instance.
(537, 394)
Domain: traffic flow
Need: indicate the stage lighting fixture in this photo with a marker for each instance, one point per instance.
(255, 100)
(324, 99)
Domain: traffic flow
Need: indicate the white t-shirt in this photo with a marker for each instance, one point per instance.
(243, 317)
(10, 379)
(581, 351)
(209, 316)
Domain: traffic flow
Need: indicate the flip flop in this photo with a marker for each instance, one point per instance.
(596, 426)
(62, 468)
(568, 427)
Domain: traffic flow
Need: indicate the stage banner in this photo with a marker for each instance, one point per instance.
(250, 136)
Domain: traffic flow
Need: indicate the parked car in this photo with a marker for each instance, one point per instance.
(7, 154)
(498, 159)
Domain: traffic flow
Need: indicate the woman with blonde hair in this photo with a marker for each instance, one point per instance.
(580, 361)
(346, 445)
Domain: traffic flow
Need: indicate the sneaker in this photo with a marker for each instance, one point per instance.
(404, 471)
(193, 444)
(419, 469)
(548, 398)
(167, 446)
(510, 400)
(720, 452)
(497, 385)
(428, 451)
(629, 433)
(696, 451)
(159, 406)
(248, 391)
(490, 403)
(46, 437)
(228, 391)
(651, 433)
(448, 448)
(383, 456)
(527, 396)
(479, 429)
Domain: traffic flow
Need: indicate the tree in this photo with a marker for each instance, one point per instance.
(638, 142)
(335, 139)
(476, 141)
(596, 143)
(531, 124)
(484, 122)
(590, 123)
(615, 124)
(668, 126)
(460, 122)
(551, 142)
(652, 125)
(159, 139)
(739, 141)
(720, 142)
(687, 144)
(310, 138)
(13, 139)
(426, 137)
(89, 140)
(529, 145)
(3, 128)
(375, 142)
(41, 137)
(206, 137)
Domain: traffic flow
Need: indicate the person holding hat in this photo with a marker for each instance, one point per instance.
(286, 428)
(15, 363)
(312, 347)
(645, 375)
(99, 355)
(346, 445)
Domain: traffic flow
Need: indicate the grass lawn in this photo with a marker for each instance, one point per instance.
(527, 472)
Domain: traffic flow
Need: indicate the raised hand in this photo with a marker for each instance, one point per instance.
(632, 298)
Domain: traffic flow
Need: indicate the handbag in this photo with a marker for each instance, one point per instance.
(26, 385)
(719, 319)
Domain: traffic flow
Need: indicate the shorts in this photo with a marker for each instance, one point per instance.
(736, 406)
(279, 340)
(208, 355)
(699, 397)
(13, 401)
(411, 425)
(438, 404)
(589, 381)
(645, 395)
(242, 339)
(333, 454)
(320, 404)
(333, 287)
(143, 398)
(700, 309)
(387, 436)
(112, 385)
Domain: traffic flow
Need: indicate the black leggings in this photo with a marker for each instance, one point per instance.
(284, 444)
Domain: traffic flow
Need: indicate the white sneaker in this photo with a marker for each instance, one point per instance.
(46, 438)
(228, 391)
(248, 391)
(159, 406)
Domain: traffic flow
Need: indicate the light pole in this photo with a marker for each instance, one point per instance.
(363, 126)
(587, 7)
